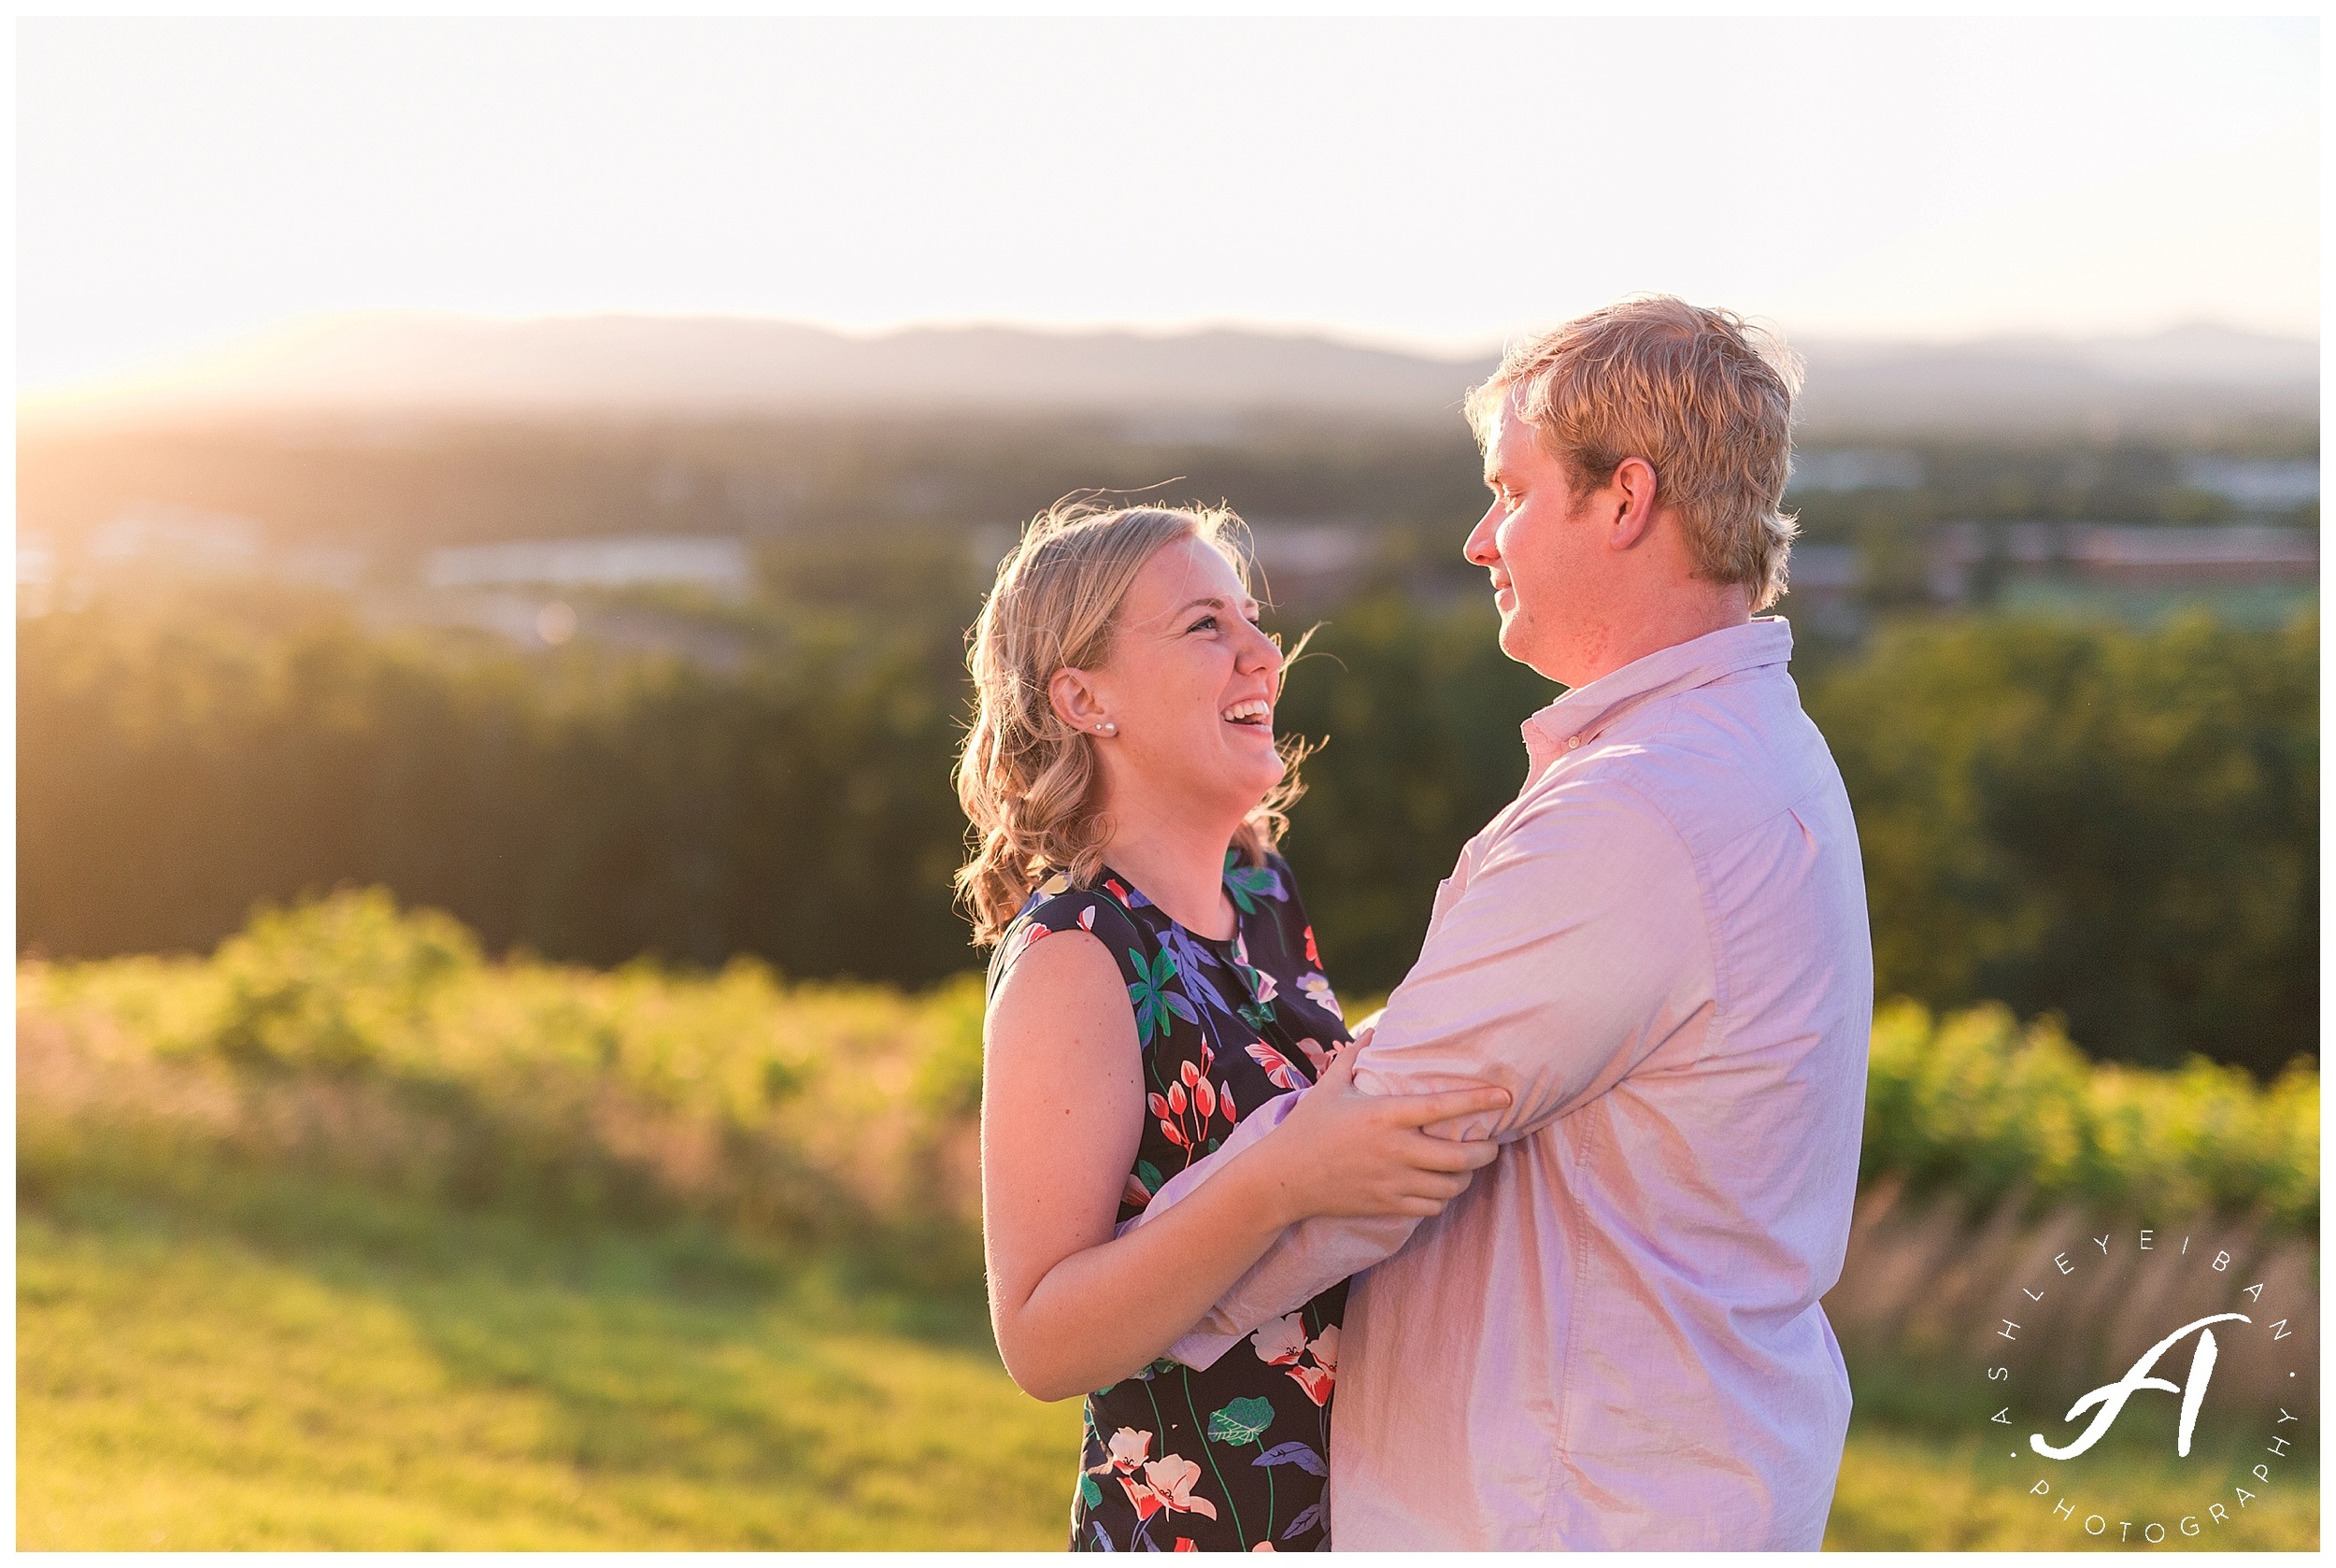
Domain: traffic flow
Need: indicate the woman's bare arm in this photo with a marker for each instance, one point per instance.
(1062, 1111)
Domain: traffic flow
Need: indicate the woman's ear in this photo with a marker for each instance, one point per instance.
(1076, 702)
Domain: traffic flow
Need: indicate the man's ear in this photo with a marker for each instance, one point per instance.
(1072, 694)
(1634, 485)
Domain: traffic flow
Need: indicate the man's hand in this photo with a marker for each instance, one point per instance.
(1343, 1152)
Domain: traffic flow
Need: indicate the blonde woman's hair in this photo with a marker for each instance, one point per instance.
(1029, 782)
(1700, 394)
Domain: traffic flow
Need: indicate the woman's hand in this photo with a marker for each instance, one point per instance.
(1340, 1152)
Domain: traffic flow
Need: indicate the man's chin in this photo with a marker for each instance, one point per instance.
(1519, 643)
(1513, 638)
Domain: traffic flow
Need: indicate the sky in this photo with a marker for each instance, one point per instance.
(1444, 185)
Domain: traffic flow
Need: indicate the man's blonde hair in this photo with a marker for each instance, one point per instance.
(1028, 782)
(1702, 396)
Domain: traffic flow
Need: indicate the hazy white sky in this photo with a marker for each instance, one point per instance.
(1431, 182)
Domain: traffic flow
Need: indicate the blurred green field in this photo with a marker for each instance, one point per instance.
(368, 1378)
(346, 1238)
(1914, 1491)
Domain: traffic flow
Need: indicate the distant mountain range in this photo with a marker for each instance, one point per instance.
(410, 364)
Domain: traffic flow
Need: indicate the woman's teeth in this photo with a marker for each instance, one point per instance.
(1255, 711)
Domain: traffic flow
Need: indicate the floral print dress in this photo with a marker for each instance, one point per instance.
(1232, 1458)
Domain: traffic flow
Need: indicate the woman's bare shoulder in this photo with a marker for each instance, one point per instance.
(1065, 989)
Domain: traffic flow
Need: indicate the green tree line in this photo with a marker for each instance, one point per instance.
(2119, 827)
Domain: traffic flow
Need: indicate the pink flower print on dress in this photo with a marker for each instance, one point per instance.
(1087, 919)
(1163, 1107)
(1128, 1447)
(1281, 1342)
(1204, 1098)
(1168, 1483)
(1276, 1065)
(1031, 936)
(1315, 1380)
(1316, 1055)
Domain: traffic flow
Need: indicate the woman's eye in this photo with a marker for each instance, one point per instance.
(1206, 623)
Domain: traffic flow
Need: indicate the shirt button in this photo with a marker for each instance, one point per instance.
(1572, 742)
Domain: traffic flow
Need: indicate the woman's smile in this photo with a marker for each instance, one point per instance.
(1251, 710)
(1254, 715)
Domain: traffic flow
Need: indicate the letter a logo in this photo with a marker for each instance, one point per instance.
(2112, 1397)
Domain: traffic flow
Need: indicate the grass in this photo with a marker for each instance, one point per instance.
(1917, 1491)
(183, 1386)
(264, 1364)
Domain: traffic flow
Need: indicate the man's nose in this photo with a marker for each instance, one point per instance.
(1480, 549)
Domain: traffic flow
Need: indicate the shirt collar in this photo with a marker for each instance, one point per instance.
(1575, 720)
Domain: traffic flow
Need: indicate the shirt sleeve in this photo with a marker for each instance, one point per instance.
(1577, 945)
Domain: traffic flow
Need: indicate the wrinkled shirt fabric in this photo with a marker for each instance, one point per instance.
(1613, 1338)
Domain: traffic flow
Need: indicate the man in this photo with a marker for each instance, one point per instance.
(1612, 1339)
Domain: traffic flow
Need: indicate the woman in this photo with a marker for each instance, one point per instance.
(1155, 981)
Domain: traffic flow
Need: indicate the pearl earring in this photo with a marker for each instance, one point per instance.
(1106, 727)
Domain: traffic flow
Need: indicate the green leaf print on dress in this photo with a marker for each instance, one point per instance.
(1154, 1001)
(1241, 1420)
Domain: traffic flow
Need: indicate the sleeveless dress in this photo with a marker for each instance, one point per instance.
(1234, 1458)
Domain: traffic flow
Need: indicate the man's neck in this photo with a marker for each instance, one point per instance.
(1665, 620)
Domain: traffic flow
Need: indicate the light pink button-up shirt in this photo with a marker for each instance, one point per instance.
(1613, 1338)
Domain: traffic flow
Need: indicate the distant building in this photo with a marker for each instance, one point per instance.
(35, 576)
(2256, 484)
(2239, 551)
(1298, 563)
(1970, 559)
(1856, 469)
(178, 539)
(158, 539)
(1821, 589)
(1311, 563)
(719, 564)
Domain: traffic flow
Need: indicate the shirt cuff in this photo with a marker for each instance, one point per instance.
(1211, 1338)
